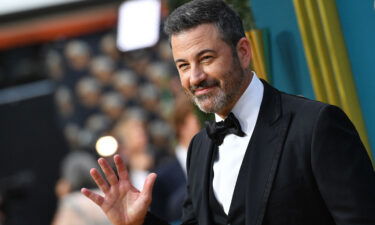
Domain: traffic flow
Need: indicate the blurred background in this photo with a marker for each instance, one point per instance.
(80, 79)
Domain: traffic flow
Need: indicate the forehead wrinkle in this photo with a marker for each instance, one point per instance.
(193, 47)
(204, 51)
(193, 42)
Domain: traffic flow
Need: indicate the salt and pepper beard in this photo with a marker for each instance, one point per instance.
(229, 89)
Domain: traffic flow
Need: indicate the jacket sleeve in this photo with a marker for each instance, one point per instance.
(342, 169)
(151, 219)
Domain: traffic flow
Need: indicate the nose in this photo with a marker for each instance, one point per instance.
(197, 75)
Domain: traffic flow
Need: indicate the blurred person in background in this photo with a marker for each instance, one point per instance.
(98, 123)
(160, 75)
(126, 83)
(67, 112)
(161, 136)
(78, 56)
(102, 68)
(64, 102)
(112, 104)
(134, 148)
(165, 55)
(73, 208)
(138, 61)
(150, 100)
(108, 47)
(54, 65)
(86, 103)
(89, 95)
(170, 187)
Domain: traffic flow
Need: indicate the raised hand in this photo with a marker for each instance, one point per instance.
(122, 202)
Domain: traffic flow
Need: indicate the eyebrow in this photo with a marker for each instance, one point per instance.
(199, 54)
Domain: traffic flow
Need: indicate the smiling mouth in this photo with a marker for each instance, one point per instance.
(204, 87)
(203, 90)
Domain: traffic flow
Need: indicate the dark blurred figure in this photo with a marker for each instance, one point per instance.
(138, 61)
(54, 65)
(160, 75)
(170, 186)
(88, 100)
(150, 101)
(102, 68)
(13, 190)
(112, 104)
(65, 104)
(74, 208)
(161, 136)
(109, 48)
(78, 56)
(89, 95)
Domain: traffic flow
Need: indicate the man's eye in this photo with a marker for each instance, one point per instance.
(183, 66)
(207, 58)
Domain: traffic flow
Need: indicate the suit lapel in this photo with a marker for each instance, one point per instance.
(265, 149)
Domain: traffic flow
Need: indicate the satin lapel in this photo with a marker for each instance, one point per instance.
(265, 149)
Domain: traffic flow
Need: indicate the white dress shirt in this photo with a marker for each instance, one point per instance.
(232, 150)
(181, 155)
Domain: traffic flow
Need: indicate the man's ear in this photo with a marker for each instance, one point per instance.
(244, 52)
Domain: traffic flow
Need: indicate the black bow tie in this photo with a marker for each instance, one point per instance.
(217, 131)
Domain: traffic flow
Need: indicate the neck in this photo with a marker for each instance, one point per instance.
(246, 82)
(184, 141)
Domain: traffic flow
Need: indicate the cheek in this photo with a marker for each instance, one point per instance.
(215, 70)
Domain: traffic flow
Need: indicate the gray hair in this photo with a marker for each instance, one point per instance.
(113, 99)
(88, 85)
(102, 63)
(199, 12)
(124, 77)
(77, 48)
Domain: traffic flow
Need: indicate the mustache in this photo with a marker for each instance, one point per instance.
(204, 84)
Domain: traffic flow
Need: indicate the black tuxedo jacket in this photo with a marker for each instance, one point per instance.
(307, 165)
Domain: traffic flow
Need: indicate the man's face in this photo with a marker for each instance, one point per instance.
(210, 73)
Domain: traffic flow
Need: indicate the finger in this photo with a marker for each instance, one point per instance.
(148, 186)
(93, 196)
(99, 180)
(121, 168)
(108, 171)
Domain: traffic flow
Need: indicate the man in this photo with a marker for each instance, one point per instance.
(290, 160)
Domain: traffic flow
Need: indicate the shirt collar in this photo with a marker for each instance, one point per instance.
(247, 107)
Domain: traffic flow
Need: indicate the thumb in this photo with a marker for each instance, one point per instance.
(146, 193)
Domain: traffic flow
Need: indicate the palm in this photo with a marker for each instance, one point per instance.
(122, 202)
